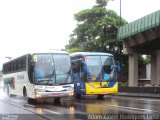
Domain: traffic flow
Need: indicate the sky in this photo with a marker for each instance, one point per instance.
(28, 26)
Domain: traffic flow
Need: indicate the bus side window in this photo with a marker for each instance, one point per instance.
(12, 67)
(16, 65)
(19, 64)
(4, 68)
(24, 63)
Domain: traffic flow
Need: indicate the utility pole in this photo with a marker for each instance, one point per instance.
(120, 13)
(121, 44)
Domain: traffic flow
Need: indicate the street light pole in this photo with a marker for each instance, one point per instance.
(120, 13)
(121, 45)
(8, 57)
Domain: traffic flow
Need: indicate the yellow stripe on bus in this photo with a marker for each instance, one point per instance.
(96, 88)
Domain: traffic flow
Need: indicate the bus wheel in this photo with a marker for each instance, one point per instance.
(32, 101)
(24, 92)
(8, 91)
(77, 96)
(57, 100)
(100, 97)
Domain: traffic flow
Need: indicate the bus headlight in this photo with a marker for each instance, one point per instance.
(38, 95)
(71, 94)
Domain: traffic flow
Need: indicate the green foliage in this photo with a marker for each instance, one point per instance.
(96, 28)
(123, 84)
(74, 50)
(102, 3)
(143, 61)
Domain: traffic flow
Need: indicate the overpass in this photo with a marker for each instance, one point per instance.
(142, 36)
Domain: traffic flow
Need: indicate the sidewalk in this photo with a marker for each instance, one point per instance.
(150, 92)
(146, 95)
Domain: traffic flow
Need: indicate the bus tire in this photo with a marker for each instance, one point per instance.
(8, 91)
(29, 100)
(77, 96)
(32, 101)
(24, 92)
(100, 97)
(57, 100)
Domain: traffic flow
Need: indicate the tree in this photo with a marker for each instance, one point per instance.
(96, 28)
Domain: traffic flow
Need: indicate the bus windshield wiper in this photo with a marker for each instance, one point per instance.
(46, 81)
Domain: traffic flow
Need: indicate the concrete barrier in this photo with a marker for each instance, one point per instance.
(148, 90)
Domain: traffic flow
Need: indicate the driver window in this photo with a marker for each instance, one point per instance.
(107, 69)
(107, 65)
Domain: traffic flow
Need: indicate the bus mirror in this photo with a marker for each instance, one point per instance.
(118, 67)
(34, 58)
(117, 63)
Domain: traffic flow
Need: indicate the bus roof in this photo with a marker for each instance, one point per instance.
(90, 53)
(54, 52)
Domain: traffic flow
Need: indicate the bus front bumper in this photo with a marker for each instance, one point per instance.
(94, 90)
(42, 95)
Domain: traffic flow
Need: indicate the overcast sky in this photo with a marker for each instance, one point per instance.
(41, 25)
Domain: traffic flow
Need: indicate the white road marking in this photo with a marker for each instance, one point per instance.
(28, 105)
(156, 100)
(53, 112)
(134, 108)
(50, 111)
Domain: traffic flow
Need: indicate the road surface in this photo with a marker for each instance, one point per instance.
(88, 107)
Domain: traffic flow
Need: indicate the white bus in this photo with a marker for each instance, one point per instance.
(39, 76)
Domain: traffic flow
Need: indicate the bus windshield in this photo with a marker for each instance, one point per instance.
(52, 69)
(100, 67)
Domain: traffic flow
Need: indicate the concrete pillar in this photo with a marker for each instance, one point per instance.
(133, 70)
(158, 69)
(148, 71)
(155, 69)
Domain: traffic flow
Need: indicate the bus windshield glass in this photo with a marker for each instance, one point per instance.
(52, 69)
(100, 67)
